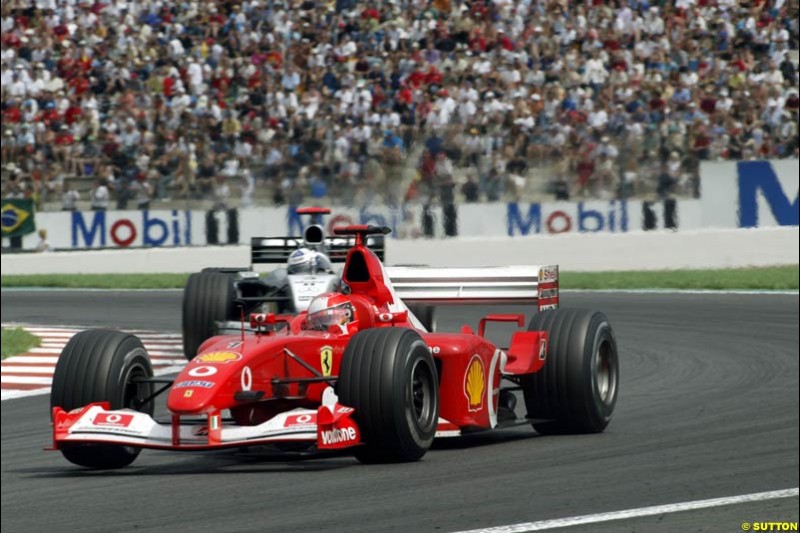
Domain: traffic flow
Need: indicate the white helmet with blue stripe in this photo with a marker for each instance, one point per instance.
(305, 261)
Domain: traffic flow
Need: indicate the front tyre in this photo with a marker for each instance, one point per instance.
(576, 390)
(389, 377)
(102, 366)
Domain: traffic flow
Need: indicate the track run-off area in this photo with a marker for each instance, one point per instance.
(704, 438)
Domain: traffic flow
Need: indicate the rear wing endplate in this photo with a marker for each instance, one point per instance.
(469, 285)
(265, 250)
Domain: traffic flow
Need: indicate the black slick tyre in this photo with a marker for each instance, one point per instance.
(101, 366)
(207, 298)
(389, 377)
(576, 390)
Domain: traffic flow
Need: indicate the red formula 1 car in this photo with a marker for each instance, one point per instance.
(357, 370)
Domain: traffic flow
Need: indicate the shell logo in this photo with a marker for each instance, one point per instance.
(475, 383)
(218, 357)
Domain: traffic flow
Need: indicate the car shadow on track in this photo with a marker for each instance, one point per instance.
(484, 438)
(223, 462)
(263, 460)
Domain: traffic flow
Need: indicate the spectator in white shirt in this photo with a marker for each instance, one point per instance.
(100, 195)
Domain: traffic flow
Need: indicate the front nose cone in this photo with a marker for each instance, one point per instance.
(189, 396)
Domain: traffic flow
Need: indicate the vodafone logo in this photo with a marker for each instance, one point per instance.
(113, 420)
(202, 371)
(247, 378)
(345, 433)
(300, 420)
(337, 436)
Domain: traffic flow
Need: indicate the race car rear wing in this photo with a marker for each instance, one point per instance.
(265, 250)
(470, 285)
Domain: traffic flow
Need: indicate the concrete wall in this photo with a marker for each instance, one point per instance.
(726, 248)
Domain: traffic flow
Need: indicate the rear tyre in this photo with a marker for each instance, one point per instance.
(207, 298)
(426, 314)
(576, 390)
(99, 366)
(389, 377)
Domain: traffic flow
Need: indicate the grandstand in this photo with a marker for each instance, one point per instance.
(145, 103)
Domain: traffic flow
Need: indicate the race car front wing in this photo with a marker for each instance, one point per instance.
(330, 427)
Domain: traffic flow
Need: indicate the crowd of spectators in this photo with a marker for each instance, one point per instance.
(389, 100)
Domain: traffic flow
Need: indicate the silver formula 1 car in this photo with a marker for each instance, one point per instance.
(215, 298)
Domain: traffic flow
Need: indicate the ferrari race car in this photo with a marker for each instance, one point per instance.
(215, 298)
(355, 371)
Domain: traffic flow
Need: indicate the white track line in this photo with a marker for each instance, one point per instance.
(11, 370)
(635, 513)
(45, 350)
(59, 345)
(64, 337)
(32, 359)
(24, 380)
(153, 353)
(46, 370)
(53, 359)
(65, 331)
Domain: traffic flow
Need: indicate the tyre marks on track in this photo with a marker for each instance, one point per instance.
(31, 373)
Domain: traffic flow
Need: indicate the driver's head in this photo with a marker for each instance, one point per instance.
(329, 309)
(305, 261)
(301, 261)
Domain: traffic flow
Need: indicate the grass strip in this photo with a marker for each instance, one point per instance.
(14, 341)
(97, 281)
(761, 278)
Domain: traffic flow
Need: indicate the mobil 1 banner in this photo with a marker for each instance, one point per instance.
(550, 218)
(80, 230)
(749, 194)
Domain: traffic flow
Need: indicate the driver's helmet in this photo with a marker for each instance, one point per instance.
(329, 309)
(305, 261)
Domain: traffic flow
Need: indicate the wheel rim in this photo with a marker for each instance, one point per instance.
(422, 400)
(605, 373)
(134, 394)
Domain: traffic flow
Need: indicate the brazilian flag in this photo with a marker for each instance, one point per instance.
(17, 217)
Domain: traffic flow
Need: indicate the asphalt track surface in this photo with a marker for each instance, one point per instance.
(708, 408)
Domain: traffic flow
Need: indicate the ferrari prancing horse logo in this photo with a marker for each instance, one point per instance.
(326, 360)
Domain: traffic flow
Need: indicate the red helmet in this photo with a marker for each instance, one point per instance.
(329, 309)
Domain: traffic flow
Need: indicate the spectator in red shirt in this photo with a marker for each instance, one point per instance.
(12, 113)
(63, 146)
